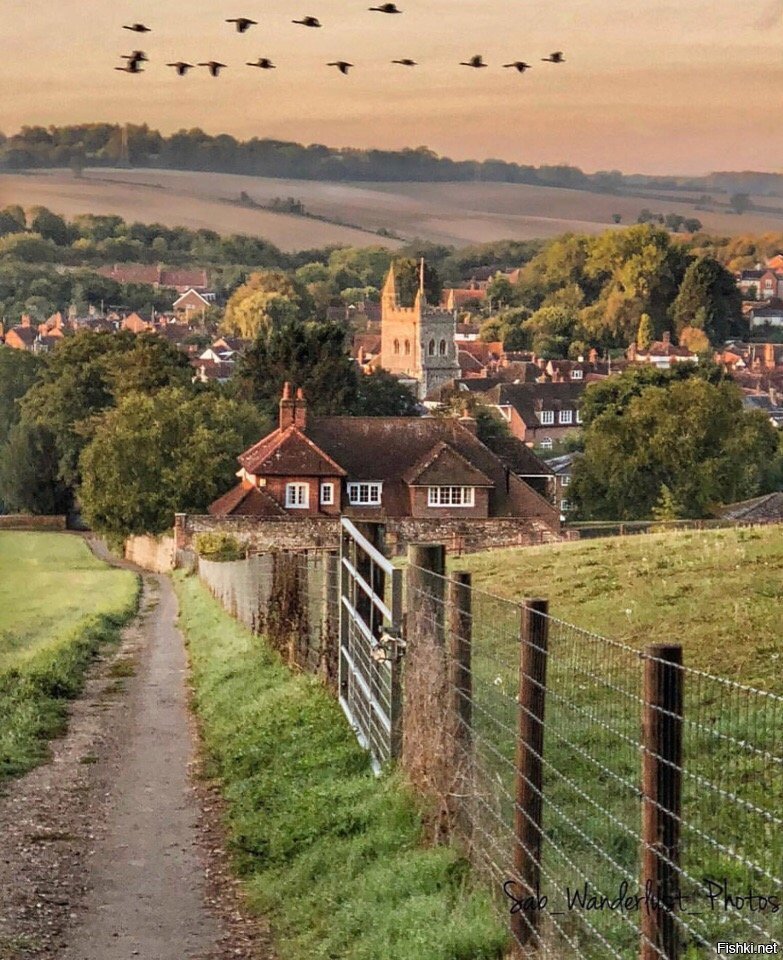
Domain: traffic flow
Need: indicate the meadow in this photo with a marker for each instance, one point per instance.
(450, 213)
(58, 604)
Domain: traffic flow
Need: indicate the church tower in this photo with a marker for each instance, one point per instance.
(418, 343)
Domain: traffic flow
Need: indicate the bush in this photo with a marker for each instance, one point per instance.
(219, 546)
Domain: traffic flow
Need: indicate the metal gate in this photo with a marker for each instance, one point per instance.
(370, 641)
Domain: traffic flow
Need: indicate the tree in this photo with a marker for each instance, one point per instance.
(50, 226)
(500, 291)
(18, 370)
(30, 247)
(694, 339)
(646, 333)
(740, 202)
(29, 475)
(156, 455)
(379, 394)
(709, 292)
(312, 356)
(690, 435)
(408, 272)
(617, 218)
(266, 299)
(691, 225)
(666, 507)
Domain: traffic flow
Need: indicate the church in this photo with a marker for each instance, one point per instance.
(417, 343)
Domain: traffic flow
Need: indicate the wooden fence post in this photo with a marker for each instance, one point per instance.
(460, 634)
(534, 637)
(426, 570)
(662, 798)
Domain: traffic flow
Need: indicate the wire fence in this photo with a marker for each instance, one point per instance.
(619, 803)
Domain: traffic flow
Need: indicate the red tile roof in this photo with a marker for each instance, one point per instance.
(289, 453)
(242, 501)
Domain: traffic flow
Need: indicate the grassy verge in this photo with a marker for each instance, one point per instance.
(58, 604)
(329, 853)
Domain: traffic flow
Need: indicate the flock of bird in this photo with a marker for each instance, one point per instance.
(135, 60)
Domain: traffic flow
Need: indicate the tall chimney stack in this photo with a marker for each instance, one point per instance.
(287, 407)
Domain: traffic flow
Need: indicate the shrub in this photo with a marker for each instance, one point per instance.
(219, 546)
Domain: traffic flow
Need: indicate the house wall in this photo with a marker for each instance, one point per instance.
(421, 509)
(275, 487)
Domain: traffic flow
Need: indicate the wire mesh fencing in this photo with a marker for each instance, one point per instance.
(620, 804)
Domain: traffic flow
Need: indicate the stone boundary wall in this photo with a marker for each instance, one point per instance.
(21, 521)
(151, 553)
(460, 536)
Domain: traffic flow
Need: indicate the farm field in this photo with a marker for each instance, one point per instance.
(57, 604)
(451, 213)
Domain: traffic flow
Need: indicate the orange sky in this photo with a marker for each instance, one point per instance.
(652, 85)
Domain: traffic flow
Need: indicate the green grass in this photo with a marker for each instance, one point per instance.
(58, 604)
(719, 593)
(332, 855)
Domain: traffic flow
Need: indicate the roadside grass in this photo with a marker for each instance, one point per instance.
(331, 854)
(58, 605)
(719, 594)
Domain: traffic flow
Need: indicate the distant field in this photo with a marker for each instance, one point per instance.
(58, 603)
(719, 593)
(452, 213)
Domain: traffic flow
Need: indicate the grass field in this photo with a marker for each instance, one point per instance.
(452, 213)
(719, 594)
(330, 854)
(58, 603)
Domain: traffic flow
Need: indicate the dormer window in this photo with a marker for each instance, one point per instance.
(297, 496)
(566, 416)
(451, 496)
(547, 416)
(577, 374)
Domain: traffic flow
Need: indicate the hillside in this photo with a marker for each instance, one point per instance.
(450, 213)
(717, 592)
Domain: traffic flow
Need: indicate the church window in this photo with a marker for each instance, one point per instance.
(431, 348)
(442, 348)
(396, 346)
(407, 348)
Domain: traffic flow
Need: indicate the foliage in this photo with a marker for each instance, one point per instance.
(152, 456)
(315, 833)
(268, 299)
(408, 277)
(58, 605)
(379, 394)
(695, 340)
(218, 546)
(690, 435)
(29, 475)
(646, 333)
(18, 370)
(666, 507)
(312, 356)
(709, 298)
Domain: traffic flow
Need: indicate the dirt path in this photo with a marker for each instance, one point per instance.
(103, 854)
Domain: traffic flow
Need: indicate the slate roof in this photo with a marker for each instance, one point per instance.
(442, 466)
(529, 399)
(766, 509)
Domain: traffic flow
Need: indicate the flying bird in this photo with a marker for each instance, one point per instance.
(134, 66)
(214, 67)
(556, 57)
(308, 22)
(386, 8)
(242, 23)
(139, 56)
(342, 65)
(476, 61)
(406, 62)
(137, 28)
(518, 65)
(181, 67)
(264, 63)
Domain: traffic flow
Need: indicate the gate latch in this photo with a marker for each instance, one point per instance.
(389, 648)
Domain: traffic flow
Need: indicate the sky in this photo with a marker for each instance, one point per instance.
(649, 86)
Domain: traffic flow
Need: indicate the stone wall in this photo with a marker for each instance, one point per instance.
(460, 536)
(151, 553)
(20, 521)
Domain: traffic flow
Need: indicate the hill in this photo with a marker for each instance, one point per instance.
(717, 592)
(355, 213)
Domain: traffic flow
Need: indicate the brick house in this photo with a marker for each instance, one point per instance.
(180, 279)
(193, 303)
(379, 468)
(539, 414)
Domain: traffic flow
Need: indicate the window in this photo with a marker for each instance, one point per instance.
(547, 416)
(407, 348)
(546, 443)
(364, 494)
(578, 416)
(565, 480)
(431, 348)
(442, 348)
(297, 496)
(327, 494)
(565, 505)
(566, 416)
(396, 346)
(577, 374)
(450, 496)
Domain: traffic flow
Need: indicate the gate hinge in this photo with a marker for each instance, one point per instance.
(389, 648)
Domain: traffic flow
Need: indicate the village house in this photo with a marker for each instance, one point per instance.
(562, 467)
(192, 304)
(538, 414)
(181, 279)
(762, 283)
(380, 468)
(768, 315)
(662, 353)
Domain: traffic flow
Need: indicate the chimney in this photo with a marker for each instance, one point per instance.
(468, 422)
(287, 407)
(300, 410)
(26, 321)
(667, 338)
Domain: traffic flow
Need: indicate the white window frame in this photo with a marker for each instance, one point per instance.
(547, 418)
(370, 497)
(327, 494)
(565, 506)
(578, 416)
(546, 443)
(297, 496)
(565, 480)
(451, 496)
(566, 416)
(577, 374)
